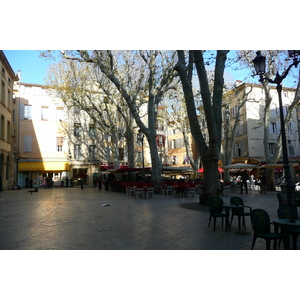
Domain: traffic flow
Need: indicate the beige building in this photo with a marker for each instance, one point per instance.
(42, 143)
(249, 134)
(7, 134)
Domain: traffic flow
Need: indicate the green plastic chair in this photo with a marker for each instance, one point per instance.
(239, 211)
(287, 212)
(215, 205)
(261, 225)
(279, 198)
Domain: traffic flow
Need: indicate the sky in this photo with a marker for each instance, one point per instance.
(34, 68)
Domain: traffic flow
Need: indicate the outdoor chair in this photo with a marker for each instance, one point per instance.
(169, 190)
(139, 192)
(239, 211)
(215, 205)
(191, 191)
(261, 225)
(286, 212)
(150, 192)
(226, 189)
(131, 191)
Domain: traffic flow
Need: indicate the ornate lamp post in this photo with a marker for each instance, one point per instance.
(140, 139)
(288, 187)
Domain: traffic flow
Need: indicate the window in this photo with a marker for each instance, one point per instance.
(92, 152)
(60, 115)
(77, 129)
(121, 153)
(27, 143)
(273, 109)
(239, 149)
(174, 160)
(9, 99)
(273, 127)
(272, 148)
(290, 128)
(291, 149)
(186, 159)
(44, 115)
(27, 112)
(92, 131)
(2, 96)
(2, 129)
(59, 144)
(8, 137)
(239, 128)
(77, 151)
(233, 111)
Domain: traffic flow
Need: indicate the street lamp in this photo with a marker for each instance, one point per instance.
(288, 187)
(140, 139)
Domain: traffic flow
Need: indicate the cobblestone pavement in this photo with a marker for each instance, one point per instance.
(71, 218)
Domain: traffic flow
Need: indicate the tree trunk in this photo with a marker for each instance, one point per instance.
(211, 185)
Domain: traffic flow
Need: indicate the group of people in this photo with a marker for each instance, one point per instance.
(244, 178)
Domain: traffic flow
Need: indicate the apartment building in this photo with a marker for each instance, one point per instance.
(43, 153)
(249, 133)
(7, 133)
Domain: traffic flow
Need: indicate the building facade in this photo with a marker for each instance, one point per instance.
(249, 136)
(7, 119)
(42, 141)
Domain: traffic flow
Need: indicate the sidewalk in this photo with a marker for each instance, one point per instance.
(71, 218)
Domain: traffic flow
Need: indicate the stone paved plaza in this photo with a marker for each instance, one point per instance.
(75, 219)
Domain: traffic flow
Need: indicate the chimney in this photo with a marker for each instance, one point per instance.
(19, 75)
(238, 82)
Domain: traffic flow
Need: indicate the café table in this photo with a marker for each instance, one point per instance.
(228, 207)
(286, 226)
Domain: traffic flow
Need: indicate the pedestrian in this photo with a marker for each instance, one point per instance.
(244, 179)
(263, 183)
(81, 183)
(27, 182)
(100, 184)
(67, 181)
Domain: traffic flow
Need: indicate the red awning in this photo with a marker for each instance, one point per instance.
(104, 168)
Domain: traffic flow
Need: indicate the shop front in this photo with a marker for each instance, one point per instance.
(35, 173)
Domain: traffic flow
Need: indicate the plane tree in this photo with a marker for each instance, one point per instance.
(209, 149)
(149, 76)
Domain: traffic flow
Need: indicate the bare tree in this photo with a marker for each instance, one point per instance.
(231, 120)
(149, 77)
(212, 108)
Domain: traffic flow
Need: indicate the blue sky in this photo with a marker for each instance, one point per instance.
(34, 68)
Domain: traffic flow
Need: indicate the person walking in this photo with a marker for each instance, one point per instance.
(67, 181)
(100, 184)
(263, 183)
(81, 183)
(244, 178)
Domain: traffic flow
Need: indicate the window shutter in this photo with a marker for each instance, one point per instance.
(27, 143)
(21, 111)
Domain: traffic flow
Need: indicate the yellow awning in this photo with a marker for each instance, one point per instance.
(44, 166)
